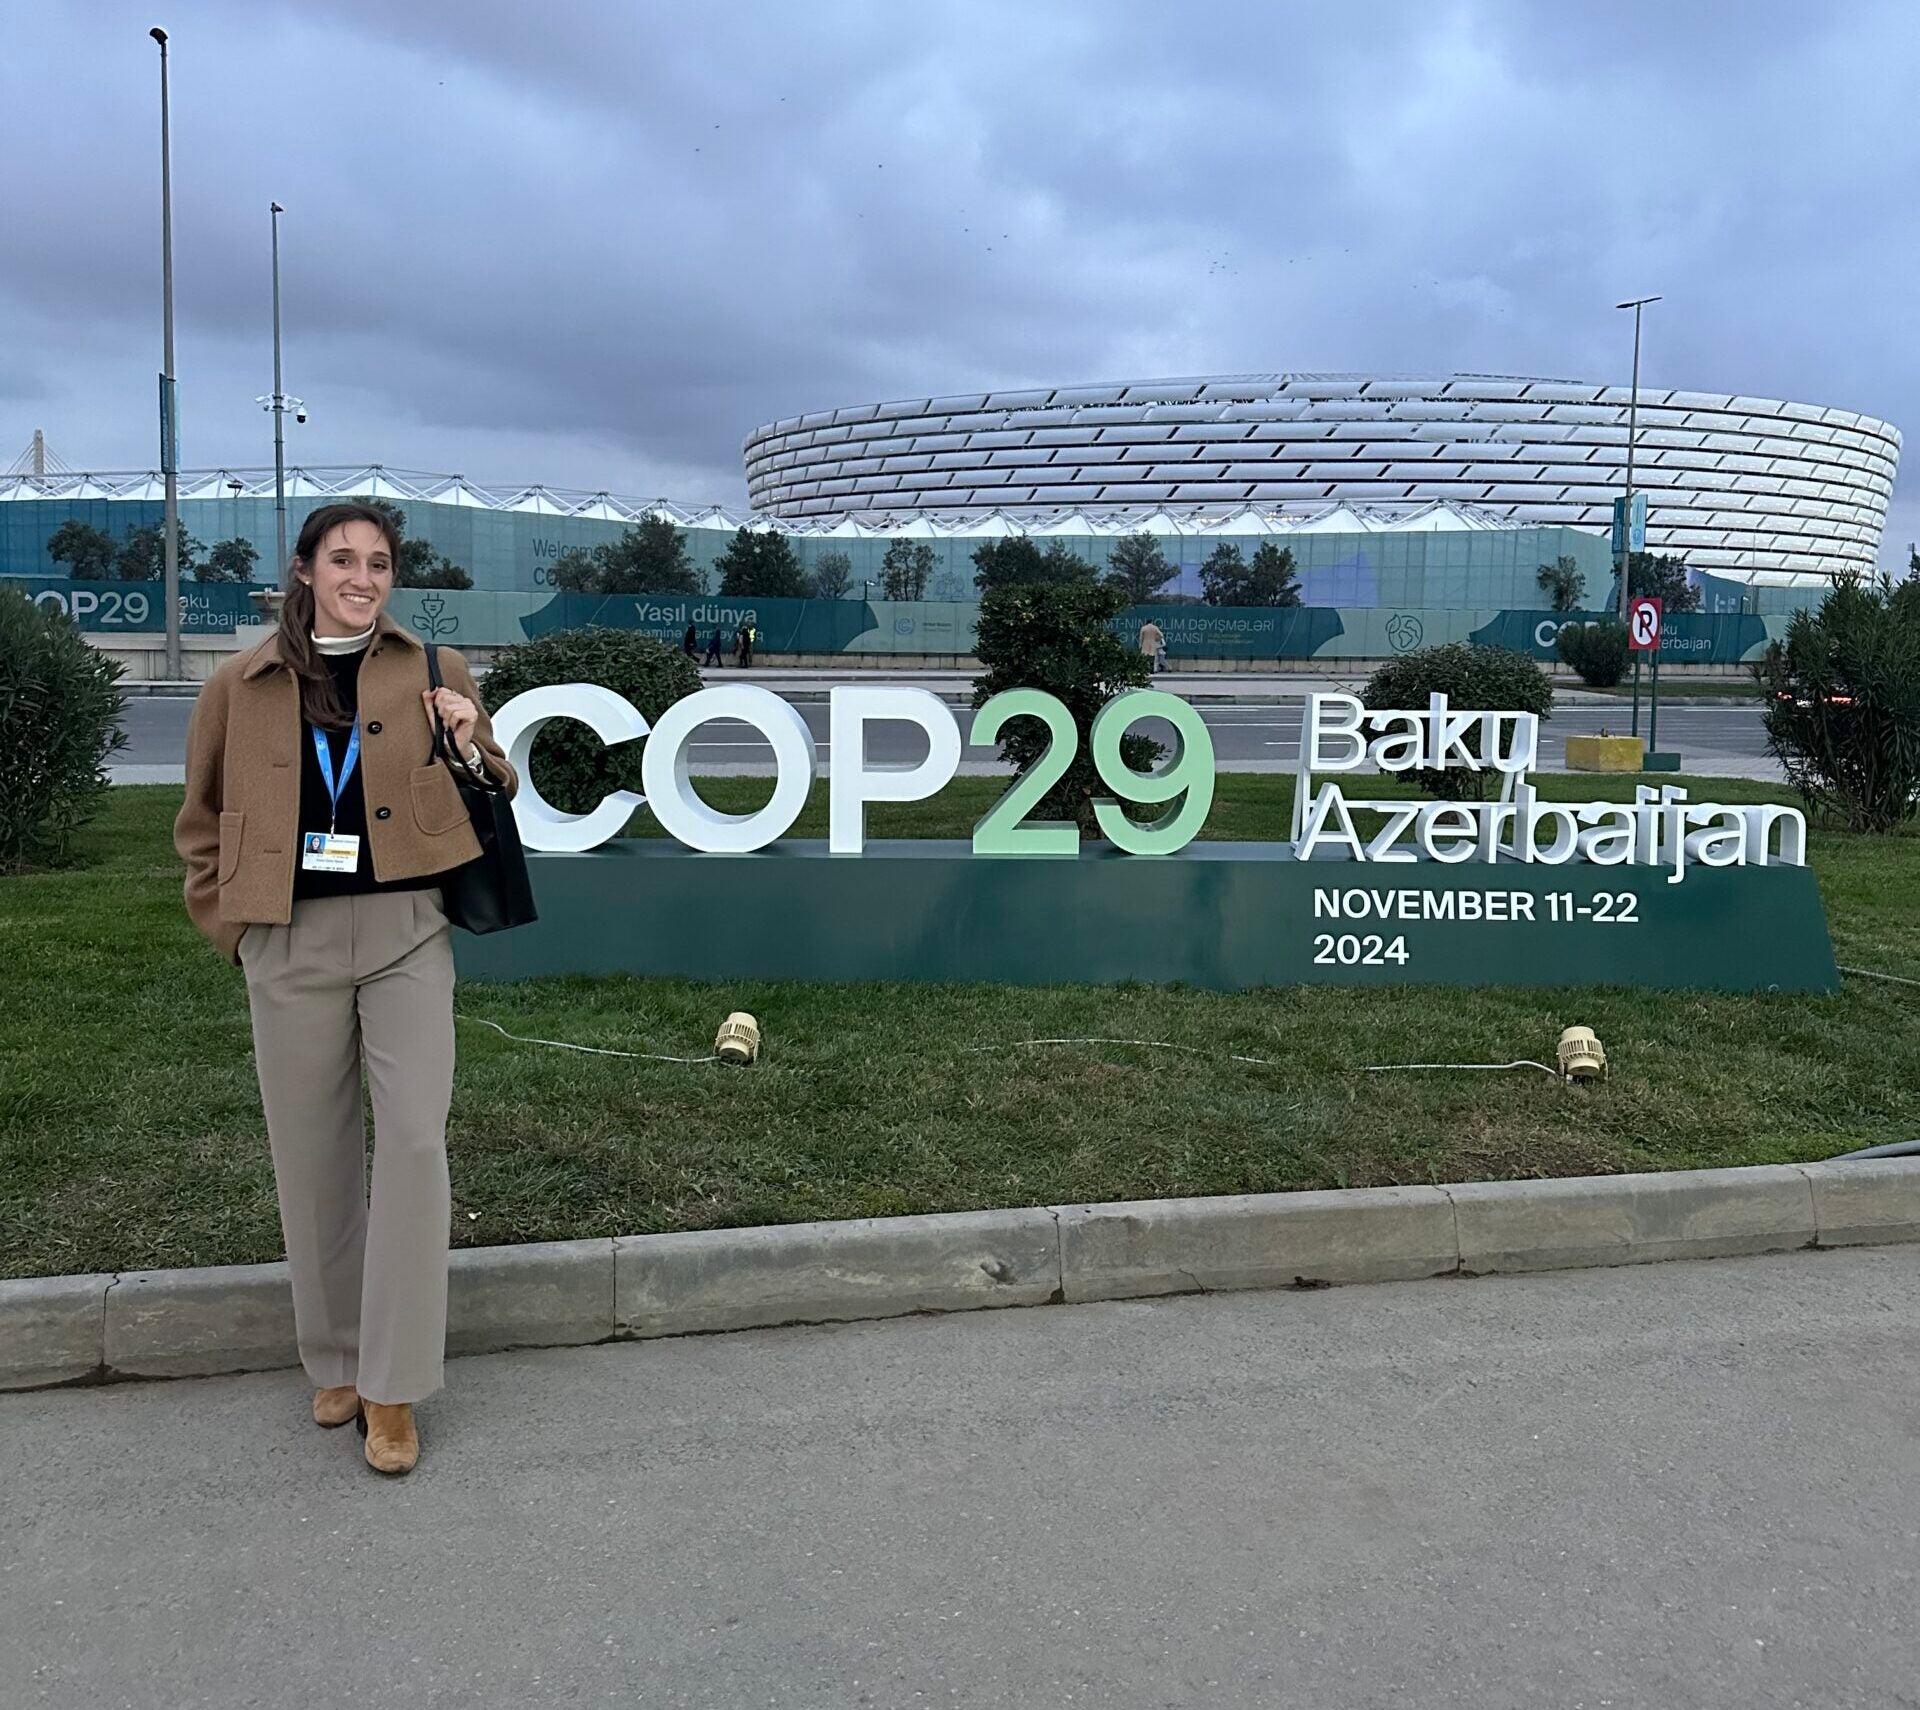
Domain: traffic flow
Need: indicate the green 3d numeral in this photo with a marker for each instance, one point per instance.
(1188, 770)
(999, 831)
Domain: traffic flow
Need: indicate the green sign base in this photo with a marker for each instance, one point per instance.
(1228, 916)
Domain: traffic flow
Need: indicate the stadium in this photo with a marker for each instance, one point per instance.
(1741, 487)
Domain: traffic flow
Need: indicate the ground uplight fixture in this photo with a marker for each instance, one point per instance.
(738, 1041)
(1582, 1057)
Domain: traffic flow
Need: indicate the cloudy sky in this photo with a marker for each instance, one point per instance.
(592, 244)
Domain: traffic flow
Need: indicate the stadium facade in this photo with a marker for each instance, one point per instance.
(1742, 487)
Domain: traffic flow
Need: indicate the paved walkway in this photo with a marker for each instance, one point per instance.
(1673, 1485)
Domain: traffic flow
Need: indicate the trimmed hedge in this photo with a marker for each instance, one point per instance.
(1474, 679)
(575, 771)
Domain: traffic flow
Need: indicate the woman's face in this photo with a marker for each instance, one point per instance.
(352, 575)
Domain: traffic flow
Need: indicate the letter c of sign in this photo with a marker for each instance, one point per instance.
(613, 718)
(1544, 632)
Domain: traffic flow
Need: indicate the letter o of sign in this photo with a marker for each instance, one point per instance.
(670, 793)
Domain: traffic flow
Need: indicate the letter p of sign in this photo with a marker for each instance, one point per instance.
(853, 783)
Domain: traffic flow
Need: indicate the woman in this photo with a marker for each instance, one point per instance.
(315, 824)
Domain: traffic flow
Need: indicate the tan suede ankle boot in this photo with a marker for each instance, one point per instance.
(393, 1445)
(335, 1406)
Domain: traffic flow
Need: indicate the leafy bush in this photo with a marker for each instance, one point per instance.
(59, 720)
(1474, 679)
(1058, 636)
(1843, 703)
(1597, 651)
(573, 768)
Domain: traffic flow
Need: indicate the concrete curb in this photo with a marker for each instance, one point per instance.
(100, 1328)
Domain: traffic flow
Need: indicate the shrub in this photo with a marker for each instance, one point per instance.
(1597, 651)
(1843, 703)
(573, 768)
(59, 720)
(1058, 636)
(1474, 679)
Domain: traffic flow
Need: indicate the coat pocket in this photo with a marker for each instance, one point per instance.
(231, 825)
(437, 806)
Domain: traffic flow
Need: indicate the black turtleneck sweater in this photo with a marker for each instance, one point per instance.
(316, 808)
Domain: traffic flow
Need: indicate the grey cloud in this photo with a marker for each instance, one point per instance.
(609, 240)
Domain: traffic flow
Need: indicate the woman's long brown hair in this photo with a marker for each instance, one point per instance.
(320, 702)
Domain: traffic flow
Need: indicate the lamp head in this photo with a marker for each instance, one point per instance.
(158, 35)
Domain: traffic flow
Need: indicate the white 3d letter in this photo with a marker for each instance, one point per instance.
(664, 770)
(613, 718)
(853, 783)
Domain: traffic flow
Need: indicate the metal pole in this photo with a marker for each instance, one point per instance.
(1633, 427)
(171, 544)
(279, 415)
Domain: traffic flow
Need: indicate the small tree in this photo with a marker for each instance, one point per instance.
(1474, 679)
(229, 561)
(832, 576)
(761, 564)
(143, 553)
(906, 570)
(649, 558)
(1058, 636)
(1597, 651)
(1227, 579)
(1659, 577)
(1843, 703)
(1138, 568)
(1564, 583)
(87, 552)
(60, 711)
(1017, 562)
(417, 564)
(443, 573)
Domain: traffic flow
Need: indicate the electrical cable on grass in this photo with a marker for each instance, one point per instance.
(1875, 974)
(1522, 1063)
(592, 1050)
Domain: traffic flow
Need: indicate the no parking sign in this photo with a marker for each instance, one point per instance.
(1643, 624)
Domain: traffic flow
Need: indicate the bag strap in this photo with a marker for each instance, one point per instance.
(434, 681)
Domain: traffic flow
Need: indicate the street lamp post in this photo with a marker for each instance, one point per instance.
(169, 403)
(1636, 304)
(279, 415)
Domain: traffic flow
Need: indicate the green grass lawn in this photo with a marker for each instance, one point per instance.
(130, 1128)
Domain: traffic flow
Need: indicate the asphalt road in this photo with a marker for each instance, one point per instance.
(1256, 736)
(1672, 1485)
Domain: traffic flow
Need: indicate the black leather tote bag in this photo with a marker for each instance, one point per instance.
(494, 890)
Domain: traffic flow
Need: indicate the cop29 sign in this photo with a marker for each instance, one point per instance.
(1369, 889)
(1340, 736)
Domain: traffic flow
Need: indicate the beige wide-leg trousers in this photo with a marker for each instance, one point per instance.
(352, 979)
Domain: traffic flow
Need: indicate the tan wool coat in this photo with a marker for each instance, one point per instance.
(238, 830)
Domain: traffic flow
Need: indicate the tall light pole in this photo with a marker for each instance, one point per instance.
(1636, 304)
(279, 414)
(169, 398)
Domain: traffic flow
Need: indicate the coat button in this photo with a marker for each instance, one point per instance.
(383, 813)
(374, 728)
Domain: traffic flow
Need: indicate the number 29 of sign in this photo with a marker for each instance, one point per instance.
(1184, 778)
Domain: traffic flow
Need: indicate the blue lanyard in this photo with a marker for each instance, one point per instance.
(335, 786)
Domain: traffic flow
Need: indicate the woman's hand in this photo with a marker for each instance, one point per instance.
(456, 712)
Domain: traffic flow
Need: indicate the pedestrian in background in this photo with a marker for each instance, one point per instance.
(320, 879)
(1153, 643)
(690, 642)
(713, 648)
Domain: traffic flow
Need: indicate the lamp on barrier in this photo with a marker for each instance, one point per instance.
(1582, 1057)
(738, 1041)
